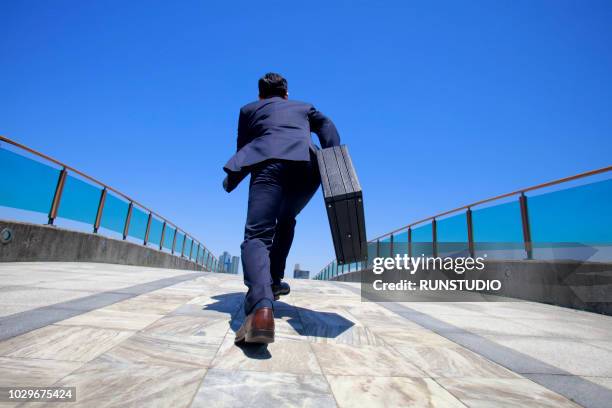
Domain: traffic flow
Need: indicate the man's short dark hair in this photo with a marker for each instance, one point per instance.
(271, 85)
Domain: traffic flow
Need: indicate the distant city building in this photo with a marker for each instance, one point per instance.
(300, 273)
(225, 261)
(235, 265)
(229, 263)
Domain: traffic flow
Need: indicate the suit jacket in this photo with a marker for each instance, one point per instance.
(277, 128)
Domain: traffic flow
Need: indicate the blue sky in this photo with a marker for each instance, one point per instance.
(440, 103)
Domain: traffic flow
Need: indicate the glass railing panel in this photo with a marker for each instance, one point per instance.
(25, 183)
(79, 201)
(499, 223)
(194, 253)
(138, 223)
(371, 252)
(452, 229)
(400, 243)
(577, 214)
(498, 231)
(187, 247)
(114, 213)
(451, 235)
(422, 240)
(384, 248)
(575, 223)
(180, 237)
(168, 237)
(155, 231)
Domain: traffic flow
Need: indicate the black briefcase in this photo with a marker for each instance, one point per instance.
(344, 204)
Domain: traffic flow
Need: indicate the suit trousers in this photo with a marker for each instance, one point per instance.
(278, 191)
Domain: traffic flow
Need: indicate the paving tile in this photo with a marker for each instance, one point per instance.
(112, 319)
(586, 391)
(7, 310)
(604, 344)
(325, 323)
(84, 284)
(484, 325)
(388, 322)
(602, 381)
(355, 336)
(452, 362)
(222, 388)
(169, 351)
(370, 392)
(503, 393)
(149, 303)
(342, 359)
(413, 338)
(180, 326)
(105, 384)
(570, 355)
(31, 372)
(37, 297)
(449, 308)
(284, 355)
(71, 343)
(575, 327)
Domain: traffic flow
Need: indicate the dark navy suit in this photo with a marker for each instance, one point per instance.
(275, 147)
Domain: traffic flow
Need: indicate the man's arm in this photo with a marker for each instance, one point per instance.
(243, 130)
(324, 128)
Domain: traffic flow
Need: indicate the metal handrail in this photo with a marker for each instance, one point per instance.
(65, 167)
(468, 207)
(499, 197)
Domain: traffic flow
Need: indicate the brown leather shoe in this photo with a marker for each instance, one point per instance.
(258, 327)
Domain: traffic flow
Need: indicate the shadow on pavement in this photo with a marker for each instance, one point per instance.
(305, 322)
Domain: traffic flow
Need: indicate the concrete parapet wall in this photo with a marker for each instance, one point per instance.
(34, 242)
(573, 284)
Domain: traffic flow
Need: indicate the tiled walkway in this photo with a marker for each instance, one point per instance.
(132, 336)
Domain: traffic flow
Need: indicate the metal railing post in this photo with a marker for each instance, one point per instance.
(377, 248)
(198, 254)
(409, 242)
(128, 218)
(148, 230)
(98, 221)
(391, 245)
(470, 232)
(163, 236)
(526, 227)
(434, 237)
(191, 249)
(183, 246)
(57, 197)
(174, 239)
